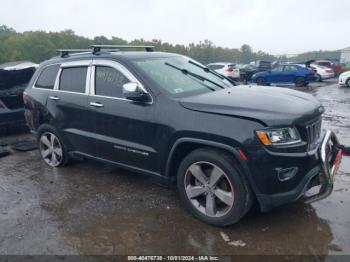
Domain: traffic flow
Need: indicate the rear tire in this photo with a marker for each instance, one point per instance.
(318, 78)
(260, 81)
(300, 81)
(213, 188)
(51, 146)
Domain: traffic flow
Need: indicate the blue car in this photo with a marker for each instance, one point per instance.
(285, 74)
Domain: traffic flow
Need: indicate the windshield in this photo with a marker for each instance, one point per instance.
(176, 82)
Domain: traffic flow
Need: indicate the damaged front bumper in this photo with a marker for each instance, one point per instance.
(317, 183)
(331, 154)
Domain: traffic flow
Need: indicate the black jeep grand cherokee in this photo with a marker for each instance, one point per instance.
(170, 117)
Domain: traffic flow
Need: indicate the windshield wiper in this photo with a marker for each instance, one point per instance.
(202, 78)
(208, 70)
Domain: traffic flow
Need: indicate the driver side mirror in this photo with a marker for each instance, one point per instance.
(134, 92)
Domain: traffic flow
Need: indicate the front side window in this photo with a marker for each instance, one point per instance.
(47, 77)
(109, 81)
(290, 68)
(73, 79)
(277, 69)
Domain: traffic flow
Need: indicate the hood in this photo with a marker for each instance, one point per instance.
(344, 74)
(271, 105)
(18, 65)
(16, 74)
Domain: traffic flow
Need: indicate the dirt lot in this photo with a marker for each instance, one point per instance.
(92, 208)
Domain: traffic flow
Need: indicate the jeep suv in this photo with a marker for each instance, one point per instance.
(170, 117)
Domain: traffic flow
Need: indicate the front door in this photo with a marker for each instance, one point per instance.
(275, 75)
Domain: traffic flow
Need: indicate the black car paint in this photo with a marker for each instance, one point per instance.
(149, 137)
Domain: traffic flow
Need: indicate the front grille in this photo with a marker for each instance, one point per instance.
(313, 131)
(13, 102)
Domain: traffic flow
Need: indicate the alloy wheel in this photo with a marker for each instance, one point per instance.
(51, 149)
(209, 189)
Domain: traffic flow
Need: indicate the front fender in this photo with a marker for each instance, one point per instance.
(234, 151)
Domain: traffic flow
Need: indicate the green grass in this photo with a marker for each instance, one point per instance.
(346, 69)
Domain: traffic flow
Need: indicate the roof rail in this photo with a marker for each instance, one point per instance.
(98, 48)
(66, 52)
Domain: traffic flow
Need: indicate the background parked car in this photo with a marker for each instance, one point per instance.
(246, 71)
(285, 74)
(344, 79)
(14, 77)
(336, 66)
(226, 69)
(262, 65)
(323, 72)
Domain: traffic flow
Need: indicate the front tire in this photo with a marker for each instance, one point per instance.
(260, 81)
(213, 188)
(51, 146)
(347, 83)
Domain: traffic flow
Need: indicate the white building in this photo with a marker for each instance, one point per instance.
(345, 56)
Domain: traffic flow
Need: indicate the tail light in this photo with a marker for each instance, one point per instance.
(25, 97)
(313, 71)
(2, 105)
(229, 69)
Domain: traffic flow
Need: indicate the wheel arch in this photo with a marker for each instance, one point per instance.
(347, 81)
(48, 123)
(183, 146)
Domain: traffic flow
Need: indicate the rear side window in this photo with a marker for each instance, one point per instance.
(109, 81)
(73, 79)
(327, 64)
(216, 67)
(47, 77)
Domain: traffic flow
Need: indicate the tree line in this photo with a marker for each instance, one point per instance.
(38, 46)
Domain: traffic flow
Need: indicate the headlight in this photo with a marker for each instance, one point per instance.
(280, 136)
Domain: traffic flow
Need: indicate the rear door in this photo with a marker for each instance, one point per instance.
(67, 103)
(124, 130)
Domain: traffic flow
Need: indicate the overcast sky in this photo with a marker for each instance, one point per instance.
(275, 26)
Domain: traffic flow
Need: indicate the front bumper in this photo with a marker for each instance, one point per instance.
(342, 81)
(12, 118)
(321, 176)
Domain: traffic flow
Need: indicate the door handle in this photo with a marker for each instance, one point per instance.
(96, 104)
(54, 98)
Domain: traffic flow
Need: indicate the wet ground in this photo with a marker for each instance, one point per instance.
(92, 208)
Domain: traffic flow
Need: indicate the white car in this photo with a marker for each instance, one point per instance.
(226, 69)
(344, 79)
(323, 72)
